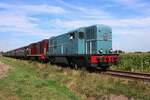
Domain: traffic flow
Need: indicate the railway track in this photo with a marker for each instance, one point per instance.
(127, 74)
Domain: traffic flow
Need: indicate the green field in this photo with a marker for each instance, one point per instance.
(28, 80)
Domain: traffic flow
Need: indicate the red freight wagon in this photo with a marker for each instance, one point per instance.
(39, 49)
(44, 46)
(21, 52)
(38, 46)
(32, 49)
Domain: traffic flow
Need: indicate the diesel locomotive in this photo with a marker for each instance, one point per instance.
(83, 47)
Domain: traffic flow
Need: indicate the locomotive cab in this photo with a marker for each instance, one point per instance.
(98, 39)
(98, 44)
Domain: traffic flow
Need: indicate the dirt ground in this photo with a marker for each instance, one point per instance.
(3, 70)
(121, 97)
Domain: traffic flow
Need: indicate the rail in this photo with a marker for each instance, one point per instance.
(127, 74)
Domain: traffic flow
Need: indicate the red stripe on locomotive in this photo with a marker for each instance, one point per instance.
(104, 58)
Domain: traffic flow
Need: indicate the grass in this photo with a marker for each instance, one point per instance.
(29, 80)
(139, 62)
(25, 83)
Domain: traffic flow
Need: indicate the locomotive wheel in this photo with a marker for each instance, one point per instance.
(71, 64)
(76, 66)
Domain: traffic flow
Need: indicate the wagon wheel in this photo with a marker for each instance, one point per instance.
(52, 61)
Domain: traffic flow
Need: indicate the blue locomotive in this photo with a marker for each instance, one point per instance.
(86, 46)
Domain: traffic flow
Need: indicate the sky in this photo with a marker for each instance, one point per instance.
(25, 21)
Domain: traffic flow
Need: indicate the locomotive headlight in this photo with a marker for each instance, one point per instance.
(100, 51)
(110, 51)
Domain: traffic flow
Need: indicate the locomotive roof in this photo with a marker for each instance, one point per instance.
(80, 28)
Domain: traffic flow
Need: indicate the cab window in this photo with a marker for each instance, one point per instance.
(72, 36)
(81, 35)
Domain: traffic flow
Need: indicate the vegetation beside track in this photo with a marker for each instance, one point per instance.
(25, 82)
(138, 62)
(29, 80)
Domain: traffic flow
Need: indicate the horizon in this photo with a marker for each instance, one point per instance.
(25, 22)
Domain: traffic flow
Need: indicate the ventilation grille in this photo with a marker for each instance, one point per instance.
(91, 32)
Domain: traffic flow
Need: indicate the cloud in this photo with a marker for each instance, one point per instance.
(17, 19)
(34, 9)
(15, 23)
(121, 26)
(70, 24)
(41, 9)
(78, 11)
(140, 6)
(26, 20)
(129, 22)
(5, 5)
(74, 7)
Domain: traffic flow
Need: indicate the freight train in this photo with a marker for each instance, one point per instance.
(83, 47)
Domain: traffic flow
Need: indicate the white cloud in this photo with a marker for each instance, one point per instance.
(34, 9)
(141, 23)
(84, 12)
(70, 24)
(130, 22)
(16, 19)
(15, 23)
(75, 7)
(140, 6)
(5, 5)
(41, 9)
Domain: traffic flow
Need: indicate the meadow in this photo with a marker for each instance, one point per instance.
(30, 80)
